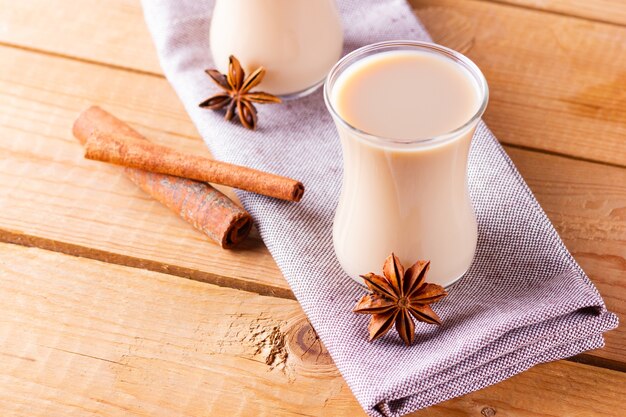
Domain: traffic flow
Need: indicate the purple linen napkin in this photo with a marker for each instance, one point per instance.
(524, 300)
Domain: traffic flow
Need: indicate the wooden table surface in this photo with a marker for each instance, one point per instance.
(112, 306)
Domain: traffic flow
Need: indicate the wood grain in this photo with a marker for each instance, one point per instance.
(556, 83)
(526, 55)
(610, 11)
(53, 198)
(110, 340)
(109, 32)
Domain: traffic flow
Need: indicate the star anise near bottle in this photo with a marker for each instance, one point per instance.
(399, 296)
(236, 96)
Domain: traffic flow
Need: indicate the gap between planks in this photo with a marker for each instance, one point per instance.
(265, 289)
(526, 5)
(80, 59)
(559, 154)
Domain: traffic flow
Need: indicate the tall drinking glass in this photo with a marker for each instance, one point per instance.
(405, 112)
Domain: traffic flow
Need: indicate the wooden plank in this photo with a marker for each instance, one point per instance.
(54, 199)
(82, 337)
(556, 81)
(610, 11)
(109, 32)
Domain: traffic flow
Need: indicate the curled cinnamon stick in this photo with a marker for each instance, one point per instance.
(207, 209)
(137, 153)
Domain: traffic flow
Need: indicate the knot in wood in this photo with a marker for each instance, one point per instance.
(305, 349)
(488, 412)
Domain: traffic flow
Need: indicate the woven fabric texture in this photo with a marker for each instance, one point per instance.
(524, 300)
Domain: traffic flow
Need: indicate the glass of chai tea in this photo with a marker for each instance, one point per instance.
(406, 113)
(297, 41)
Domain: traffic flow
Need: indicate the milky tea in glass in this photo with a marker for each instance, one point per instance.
(405, 113)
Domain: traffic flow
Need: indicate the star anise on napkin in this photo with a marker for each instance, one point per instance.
(397, 296)
(237, 95)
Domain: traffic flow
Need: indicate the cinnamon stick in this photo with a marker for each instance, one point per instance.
(138, 153)
(207, 209)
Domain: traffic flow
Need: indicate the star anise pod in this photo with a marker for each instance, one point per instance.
(397, 296)
(237, 96)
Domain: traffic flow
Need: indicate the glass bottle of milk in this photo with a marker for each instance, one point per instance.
(297, 41)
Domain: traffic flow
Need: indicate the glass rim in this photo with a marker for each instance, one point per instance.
(368, 50)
